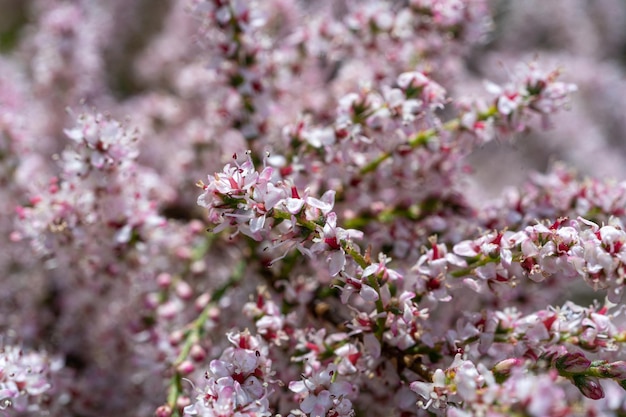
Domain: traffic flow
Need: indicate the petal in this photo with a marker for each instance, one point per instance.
(372, 345)
(368, 293)
(299, 387)
(422, 389)
(341, 388)
(369, 270)
(294, 205)
(465, 248)
(337, 262)
(308, 404)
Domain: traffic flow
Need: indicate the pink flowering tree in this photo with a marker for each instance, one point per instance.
(248, 208)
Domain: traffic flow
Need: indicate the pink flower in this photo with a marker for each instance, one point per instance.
(435, 393)
(332, 239)
(322, 393)
(380, 269)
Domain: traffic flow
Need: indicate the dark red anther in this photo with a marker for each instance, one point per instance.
(341, 133)
(433, 284)
(363, 321)
(312, 347)
(497, 239)
(245, 16)
(257, 86)
(549, 321)
(353, 357)
(528, 264)
(530, 354)
(557, 223)
(284, 171)
(332, 243)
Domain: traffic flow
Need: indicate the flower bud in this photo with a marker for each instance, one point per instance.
(573, 363)
(176, 337)
(503, 368)
(184, 290)
(202, 301)
(163, 411)
(164, 280)
(589, 386)
(183, 401)
(186, 367)
(615, 370)
(197, 353)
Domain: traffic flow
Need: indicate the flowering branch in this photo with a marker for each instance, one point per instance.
(193, 333)
(566, 249)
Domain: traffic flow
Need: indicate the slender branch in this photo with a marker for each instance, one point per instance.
(422, 138)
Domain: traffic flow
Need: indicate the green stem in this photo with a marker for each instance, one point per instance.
(380, 308)
(466, 271)
(284, 215)
(194, 332)
(355, 254)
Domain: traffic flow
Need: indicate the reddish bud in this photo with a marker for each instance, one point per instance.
(504, 368)
(197, 353)
(183, 401)
(573, 363)
(163, 411)
(615, 370)
(176, 337)
(589, 386)
(184, 290)
(185, 368)
(202, 301)
(164, 280)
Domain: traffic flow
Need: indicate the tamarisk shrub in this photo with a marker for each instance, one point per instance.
(275, 208)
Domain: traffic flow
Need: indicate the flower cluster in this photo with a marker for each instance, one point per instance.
(24, 378)
(237, 383)
(564, 250)
(256, 203)
(530, 90)
(341, 257)
(323, 395)
(475, 390)
(114, 196)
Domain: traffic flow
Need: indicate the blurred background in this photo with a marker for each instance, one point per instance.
(587, 39)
